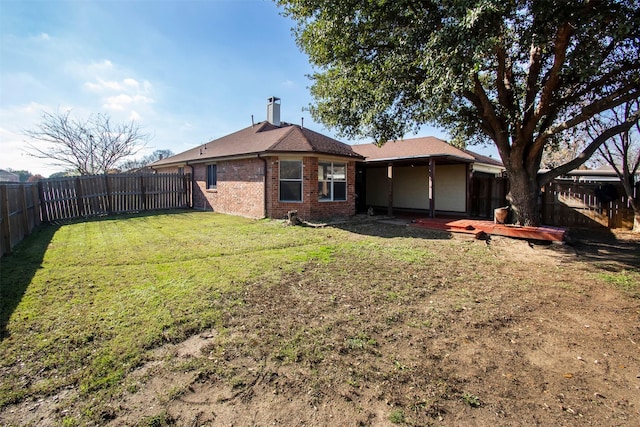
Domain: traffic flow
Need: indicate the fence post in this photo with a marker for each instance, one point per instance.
(108, 188)
(43, 205)
(557, 211)
(80, 196)
(549, 204)
(37, 215)
(6, 211)
(143, 193)
(25, 211)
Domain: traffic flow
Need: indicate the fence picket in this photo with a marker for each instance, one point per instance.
(575, 204)
(24, 206)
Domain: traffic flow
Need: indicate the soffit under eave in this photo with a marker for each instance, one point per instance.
(180, 164)
(442, 159)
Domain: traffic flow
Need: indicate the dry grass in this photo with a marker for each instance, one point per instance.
(369, 322)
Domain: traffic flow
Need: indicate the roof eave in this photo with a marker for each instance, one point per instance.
(255, 154)
(419, 157)
(354, 156)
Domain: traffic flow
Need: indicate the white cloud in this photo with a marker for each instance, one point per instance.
(44, 36)
(117, 102)
(102, 65)
(103, 85)
(131, 83)
(128, 85)
(14, 156)
(121, 94)
(92, 87)
(288, 83)
(121, 101)
(34, 108)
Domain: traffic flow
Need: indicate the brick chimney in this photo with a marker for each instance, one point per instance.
(273, 111)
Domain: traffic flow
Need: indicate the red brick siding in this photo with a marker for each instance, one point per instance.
(240, 188)
(310, 208)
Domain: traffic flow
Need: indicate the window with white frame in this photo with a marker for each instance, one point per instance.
(290, 180)
(332, 181)
(212, 177)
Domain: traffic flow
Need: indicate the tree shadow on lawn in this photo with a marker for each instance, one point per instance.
(604, 246)
(610, 250)
(18, 270)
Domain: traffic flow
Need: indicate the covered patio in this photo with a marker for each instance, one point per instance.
(421, 175)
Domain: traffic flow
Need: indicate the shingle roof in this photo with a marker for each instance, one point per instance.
(263, 138)
(413, 148)
(484, 159)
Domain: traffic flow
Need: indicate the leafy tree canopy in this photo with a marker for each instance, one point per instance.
(519, 73)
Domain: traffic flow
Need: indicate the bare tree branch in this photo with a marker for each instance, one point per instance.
(92, 146)
(590, 149)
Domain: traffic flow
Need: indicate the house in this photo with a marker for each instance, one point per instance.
(428, 175)
(269, 169)
(273, 167)
(6, 176)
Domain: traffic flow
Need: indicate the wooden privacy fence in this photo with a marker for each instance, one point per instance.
(24, 206)
(19, 213)
(586, 204)
(94, 195)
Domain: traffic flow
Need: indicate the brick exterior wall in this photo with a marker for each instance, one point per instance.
(310, 208)
(241, 190)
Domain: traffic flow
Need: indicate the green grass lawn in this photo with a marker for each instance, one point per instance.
(82, 303)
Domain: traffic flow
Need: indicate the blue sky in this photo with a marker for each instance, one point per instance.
(186, 71)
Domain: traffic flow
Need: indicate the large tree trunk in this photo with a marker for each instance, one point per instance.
(523, 198)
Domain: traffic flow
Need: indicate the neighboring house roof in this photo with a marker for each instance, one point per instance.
(605, 169)
(484, 159)
(262, 138)
(414, 148)
(604, 172)
(6, 176)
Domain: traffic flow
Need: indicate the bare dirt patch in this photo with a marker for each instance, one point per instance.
(475, 333)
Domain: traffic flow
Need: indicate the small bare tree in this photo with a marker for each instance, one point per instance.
(93, 146)
(622, 151)
(136, 164)
(561, 152)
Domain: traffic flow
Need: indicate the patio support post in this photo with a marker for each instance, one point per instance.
(432, 197)
(390, 189)
(467, 199)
